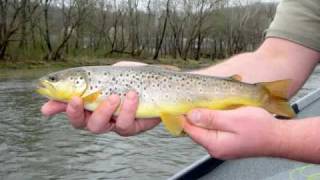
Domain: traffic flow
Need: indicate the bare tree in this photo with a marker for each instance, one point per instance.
(159, 40)
(11, 21)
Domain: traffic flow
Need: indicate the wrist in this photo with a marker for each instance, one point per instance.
(281, 139)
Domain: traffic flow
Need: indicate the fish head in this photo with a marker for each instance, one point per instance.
(63, 85)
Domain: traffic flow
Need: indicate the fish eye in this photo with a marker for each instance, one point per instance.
(53, 78)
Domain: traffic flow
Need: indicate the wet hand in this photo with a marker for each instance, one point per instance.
(102, 119)
(243, 132)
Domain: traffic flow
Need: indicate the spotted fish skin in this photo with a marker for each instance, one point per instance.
(162, 93)
(157, 86)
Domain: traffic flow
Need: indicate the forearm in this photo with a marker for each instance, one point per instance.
(275, 59)
(298, 140)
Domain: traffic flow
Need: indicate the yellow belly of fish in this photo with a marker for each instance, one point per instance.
(172, 114)
(151, 110)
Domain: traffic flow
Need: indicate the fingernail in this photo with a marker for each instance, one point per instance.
(113, 99)
(131, 95)
(195, 117)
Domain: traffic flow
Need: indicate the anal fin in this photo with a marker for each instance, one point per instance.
(173, 123)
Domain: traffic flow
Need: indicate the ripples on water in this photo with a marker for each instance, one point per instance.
(32, 147)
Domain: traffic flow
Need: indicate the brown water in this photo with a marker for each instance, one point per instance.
(32, 147)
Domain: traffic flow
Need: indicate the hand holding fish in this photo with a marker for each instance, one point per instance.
(242, 132)
(101, 120)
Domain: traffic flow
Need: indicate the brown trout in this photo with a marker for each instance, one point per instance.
(164, 93)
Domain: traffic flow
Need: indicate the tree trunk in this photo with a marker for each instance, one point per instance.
(158, 45)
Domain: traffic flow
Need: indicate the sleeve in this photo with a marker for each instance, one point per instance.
(297, 21)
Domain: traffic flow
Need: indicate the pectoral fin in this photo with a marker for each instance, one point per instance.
(90, 98)
(173, 123)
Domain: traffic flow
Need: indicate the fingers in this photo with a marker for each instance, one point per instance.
(75, 113)
(142, 125)
(127, 114)
(53, 107)
(201, 136)
(210, 119)
(99, 121)
(126, 123)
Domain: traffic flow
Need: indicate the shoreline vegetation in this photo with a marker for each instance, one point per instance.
(37, 34)
(42, 64)
(33, 69)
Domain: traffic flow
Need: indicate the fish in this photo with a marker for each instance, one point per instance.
(164, 92)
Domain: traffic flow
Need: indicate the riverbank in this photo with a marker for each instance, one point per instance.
(29, 69)
(40, 64)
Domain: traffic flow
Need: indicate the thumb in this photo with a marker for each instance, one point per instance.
(210, 119)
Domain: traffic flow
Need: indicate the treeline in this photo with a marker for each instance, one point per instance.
(60, 29)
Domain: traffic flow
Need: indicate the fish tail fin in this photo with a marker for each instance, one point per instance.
(278, 103)
(280, 107)
(278, 88)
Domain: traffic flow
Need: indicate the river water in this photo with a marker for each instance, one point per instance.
(33, 147)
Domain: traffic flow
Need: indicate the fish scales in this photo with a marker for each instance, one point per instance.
(163, 93)
(162, 86)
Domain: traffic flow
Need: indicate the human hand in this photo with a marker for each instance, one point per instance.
(102, 120)
(229, 134)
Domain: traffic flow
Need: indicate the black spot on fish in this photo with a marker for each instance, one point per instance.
(81, 77)
(89, 73)
(77, 82)
(113, 79)
(99, 82)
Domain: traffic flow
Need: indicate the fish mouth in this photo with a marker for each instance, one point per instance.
(44, 88)
(44, 84)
